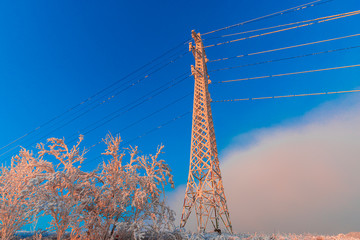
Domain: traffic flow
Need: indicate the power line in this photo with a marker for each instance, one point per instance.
(34, 142)
(148, 116)
(142, 135)
(9, 150)
(157, 111)
(101, 103)
(284, 48)
(98, 104)
(92, 108)
(119, 114)
(288, 74)
(143, 99)
(286, 96)
(272, 27)
(94, 95)
(116, 94)
(287, 58)
(182, 54)
(343, 15)
(293, 9)
(159, 127)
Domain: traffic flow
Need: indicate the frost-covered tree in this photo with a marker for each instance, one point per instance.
(17, 190)
(60, 193)
(129, 197)
(124, 196)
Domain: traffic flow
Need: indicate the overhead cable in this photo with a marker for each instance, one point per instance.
(94, 95)
(285, 29)
(272, 27)
(147, 116)
(173, 83)
(287, 58)
(140, 136)
(284, 48)
(288, 74)
(97, 104)
(286, 96)
(131, 106)
(292, 9)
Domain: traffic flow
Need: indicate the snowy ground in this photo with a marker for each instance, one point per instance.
(215, 236)
(351, 236)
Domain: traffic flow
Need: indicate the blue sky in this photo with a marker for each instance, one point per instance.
(56, 54)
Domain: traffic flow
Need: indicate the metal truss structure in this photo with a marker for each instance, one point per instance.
(204, 191)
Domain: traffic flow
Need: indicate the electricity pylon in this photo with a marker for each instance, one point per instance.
(204, 191)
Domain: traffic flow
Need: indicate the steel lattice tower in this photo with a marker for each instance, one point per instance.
(204, 191)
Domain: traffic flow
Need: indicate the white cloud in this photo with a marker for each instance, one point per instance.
(298, 177)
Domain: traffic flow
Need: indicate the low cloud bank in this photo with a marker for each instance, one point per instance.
(300, 177)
